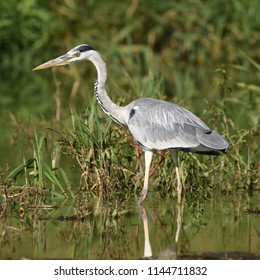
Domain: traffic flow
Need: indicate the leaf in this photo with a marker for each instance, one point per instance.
(19, 170)
(53, 178)
(254, 63)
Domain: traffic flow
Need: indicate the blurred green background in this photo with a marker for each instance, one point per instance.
(198, 54)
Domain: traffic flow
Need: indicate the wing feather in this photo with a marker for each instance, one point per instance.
(157, 124)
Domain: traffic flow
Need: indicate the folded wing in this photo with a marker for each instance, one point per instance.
(163, 125)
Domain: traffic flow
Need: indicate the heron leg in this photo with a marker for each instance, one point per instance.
(148, 159)
(174, 154)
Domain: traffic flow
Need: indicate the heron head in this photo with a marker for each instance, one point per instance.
(79, 53)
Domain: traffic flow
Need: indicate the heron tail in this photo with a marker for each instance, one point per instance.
(211, 143)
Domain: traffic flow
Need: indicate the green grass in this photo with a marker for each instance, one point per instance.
(202, 55)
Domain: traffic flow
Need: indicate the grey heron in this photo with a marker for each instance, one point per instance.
(155, 124)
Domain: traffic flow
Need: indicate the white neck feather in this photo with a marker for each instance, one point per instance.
(114, 111)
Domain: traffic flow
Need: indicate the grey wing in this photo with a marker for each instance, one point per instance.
(162, 125)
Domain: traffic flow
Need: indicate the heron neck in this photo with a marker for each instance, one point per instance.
(114, 111)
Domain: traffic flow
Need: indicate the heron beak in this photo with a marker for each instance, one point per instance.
(61, 60)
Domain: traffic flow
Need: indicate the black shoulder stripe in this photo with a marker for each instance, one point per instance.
(132, 112)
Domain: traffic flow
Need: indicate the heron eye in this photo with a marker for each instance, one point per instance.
(77, 54)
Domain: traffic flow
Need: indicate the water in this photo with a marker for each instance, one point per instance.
(225, 226)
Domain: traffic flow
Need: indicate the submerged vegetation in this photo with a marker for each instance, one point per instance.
(202, 55)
